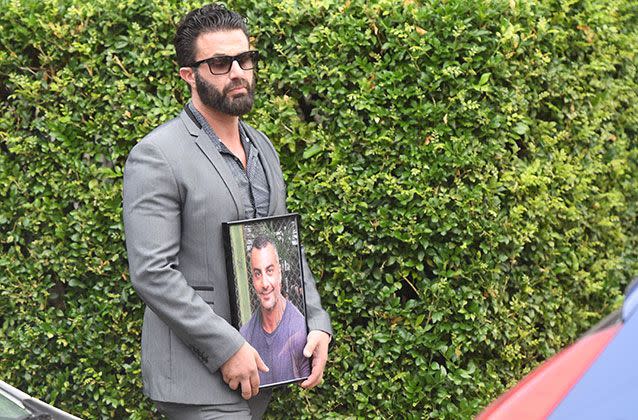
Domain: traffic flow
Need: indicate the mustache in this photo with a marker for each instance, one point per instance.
(237, 84)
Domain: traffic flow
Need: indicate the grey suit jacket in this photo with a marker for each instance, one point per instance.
(177, 192)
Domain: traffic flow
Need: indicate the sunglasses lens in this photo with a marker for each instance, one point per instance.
(220, 65)
(223, 64)
(247, 60)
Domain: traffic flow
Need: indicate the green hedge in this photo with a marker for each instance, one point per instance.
(466, 172)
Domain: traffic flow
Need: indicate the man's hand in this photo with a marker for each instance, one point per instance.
(317, 347)
(241, 370)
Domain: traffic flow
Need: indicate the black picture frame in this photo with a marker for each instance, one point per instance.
(274, 244)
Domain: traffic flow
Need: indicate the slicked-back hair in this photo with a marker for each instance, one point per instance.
(209, 18)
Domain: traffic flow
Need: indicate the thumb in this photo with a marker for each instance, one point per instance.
(310, 346)
(260, 363)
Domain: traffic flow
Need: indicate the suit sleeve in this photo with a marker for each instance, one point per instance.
(318, 318)
(152, 224)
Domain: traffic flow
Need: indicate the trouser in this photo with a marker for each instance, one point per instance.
(251, 409)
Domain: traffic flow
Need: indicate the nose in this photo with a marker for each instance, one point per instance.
(235, 70)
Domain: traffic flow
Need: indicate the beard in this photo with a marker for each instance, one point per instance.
(220, 101)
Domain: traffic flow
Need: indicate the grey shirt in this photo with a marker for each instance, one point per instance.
(252, 181)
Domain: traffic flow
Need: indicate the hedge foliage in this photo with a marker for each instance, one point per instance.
(466, 172)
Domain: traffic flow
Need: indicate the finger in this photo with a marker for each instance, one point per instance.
(260, 363)
(310, 346)
(319, 359)
(246, 390)
(233, 384)
(316, 375)
(254, 384)
(308, 383)
(313, 380)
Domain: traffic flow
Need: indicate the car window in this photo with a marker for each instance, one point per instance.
(9, 410)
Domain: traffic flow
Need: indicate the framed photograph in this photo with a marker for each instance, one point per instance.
(267, 293)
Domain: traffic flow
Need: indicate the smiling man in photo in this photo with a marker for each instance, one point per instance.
(277, 329)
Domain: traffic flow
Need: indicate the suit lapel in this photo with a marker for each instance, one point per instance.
(215, 158)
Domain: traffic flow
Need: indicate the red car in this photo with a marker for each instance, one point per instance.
(594, 378)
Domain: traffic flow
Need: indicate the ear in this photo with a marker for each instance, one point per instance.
(188, 75)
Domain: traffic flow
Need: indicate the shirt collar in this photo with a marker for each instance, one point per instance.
(221, 147)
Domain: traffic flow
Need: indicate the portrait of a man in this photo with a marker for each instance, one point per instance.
(277, 329)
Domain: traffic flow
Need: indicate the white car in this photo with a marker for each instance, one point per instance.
(17, 405)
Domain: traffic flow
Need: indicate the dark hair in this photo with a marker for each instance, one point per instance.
(261, 242)
(210, 18)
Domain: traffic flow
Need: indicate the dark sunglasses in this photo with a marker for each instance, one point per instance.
(221, 64)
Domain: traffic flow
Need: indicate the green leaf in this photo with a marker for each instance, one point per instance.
(312, 151)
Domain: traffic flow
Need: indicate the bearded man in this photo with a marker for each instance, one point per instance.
(181, 182)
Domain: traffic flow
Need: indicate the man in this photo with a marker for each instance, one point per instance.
(181, 182)
(277, 330)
